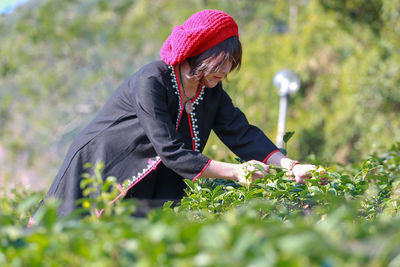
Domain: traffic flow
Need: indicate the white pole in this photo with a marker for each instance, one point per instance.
(287, 83)
(283, 92)
(282, 120)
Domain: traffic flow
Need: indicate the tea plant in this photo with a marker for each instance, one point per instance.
(353, 220)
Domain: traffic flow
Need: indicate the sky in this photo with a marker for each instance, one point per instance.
(7, 6)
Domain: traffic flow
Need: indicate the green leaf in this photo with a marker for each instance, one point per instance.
(287, 136)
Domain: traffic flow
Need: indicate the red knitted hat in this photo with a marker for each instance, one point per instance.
(200, 32)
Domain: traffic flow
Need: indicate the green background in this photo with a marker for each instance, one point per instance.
(61, 60)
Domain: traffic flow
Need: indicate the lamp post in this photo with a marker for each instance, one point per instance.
(287, 83)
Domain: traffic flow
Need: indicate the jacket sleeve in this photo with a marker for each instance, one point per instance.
(150, 102)
(245, 140)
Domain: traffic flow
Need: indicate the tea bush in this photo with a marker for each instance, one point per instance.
(353, 220)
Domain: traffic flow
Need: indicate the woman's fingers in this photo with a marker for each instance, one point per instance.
(302, 172)
(257, 165)
(252, 170)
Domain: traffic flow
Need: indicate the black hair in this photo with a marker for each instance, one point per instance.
(214, 58)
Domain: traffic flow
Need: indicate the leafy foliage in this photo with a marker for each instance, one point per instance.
(354, 219)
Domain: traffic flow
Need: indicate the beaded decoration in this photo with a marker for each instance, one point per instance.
(151, 164)
(193, 118)
(192, 114)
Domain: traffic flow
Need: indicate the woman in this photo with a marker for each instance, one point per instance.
(154, 127)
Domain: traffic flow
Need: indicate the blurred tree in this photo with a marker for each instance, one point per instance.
(61, 60)
(348, 12)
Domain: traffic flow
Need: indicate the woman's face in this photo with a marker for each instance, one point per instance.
(211, 80)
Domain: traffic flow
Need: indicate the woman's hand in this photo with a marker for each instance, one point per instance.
(248, 171)
(236, 172)
(303, 171)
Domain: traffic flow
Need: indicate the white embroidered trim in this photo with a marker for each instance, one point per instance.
(195, 137)
(152, 163)
(175, 86)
